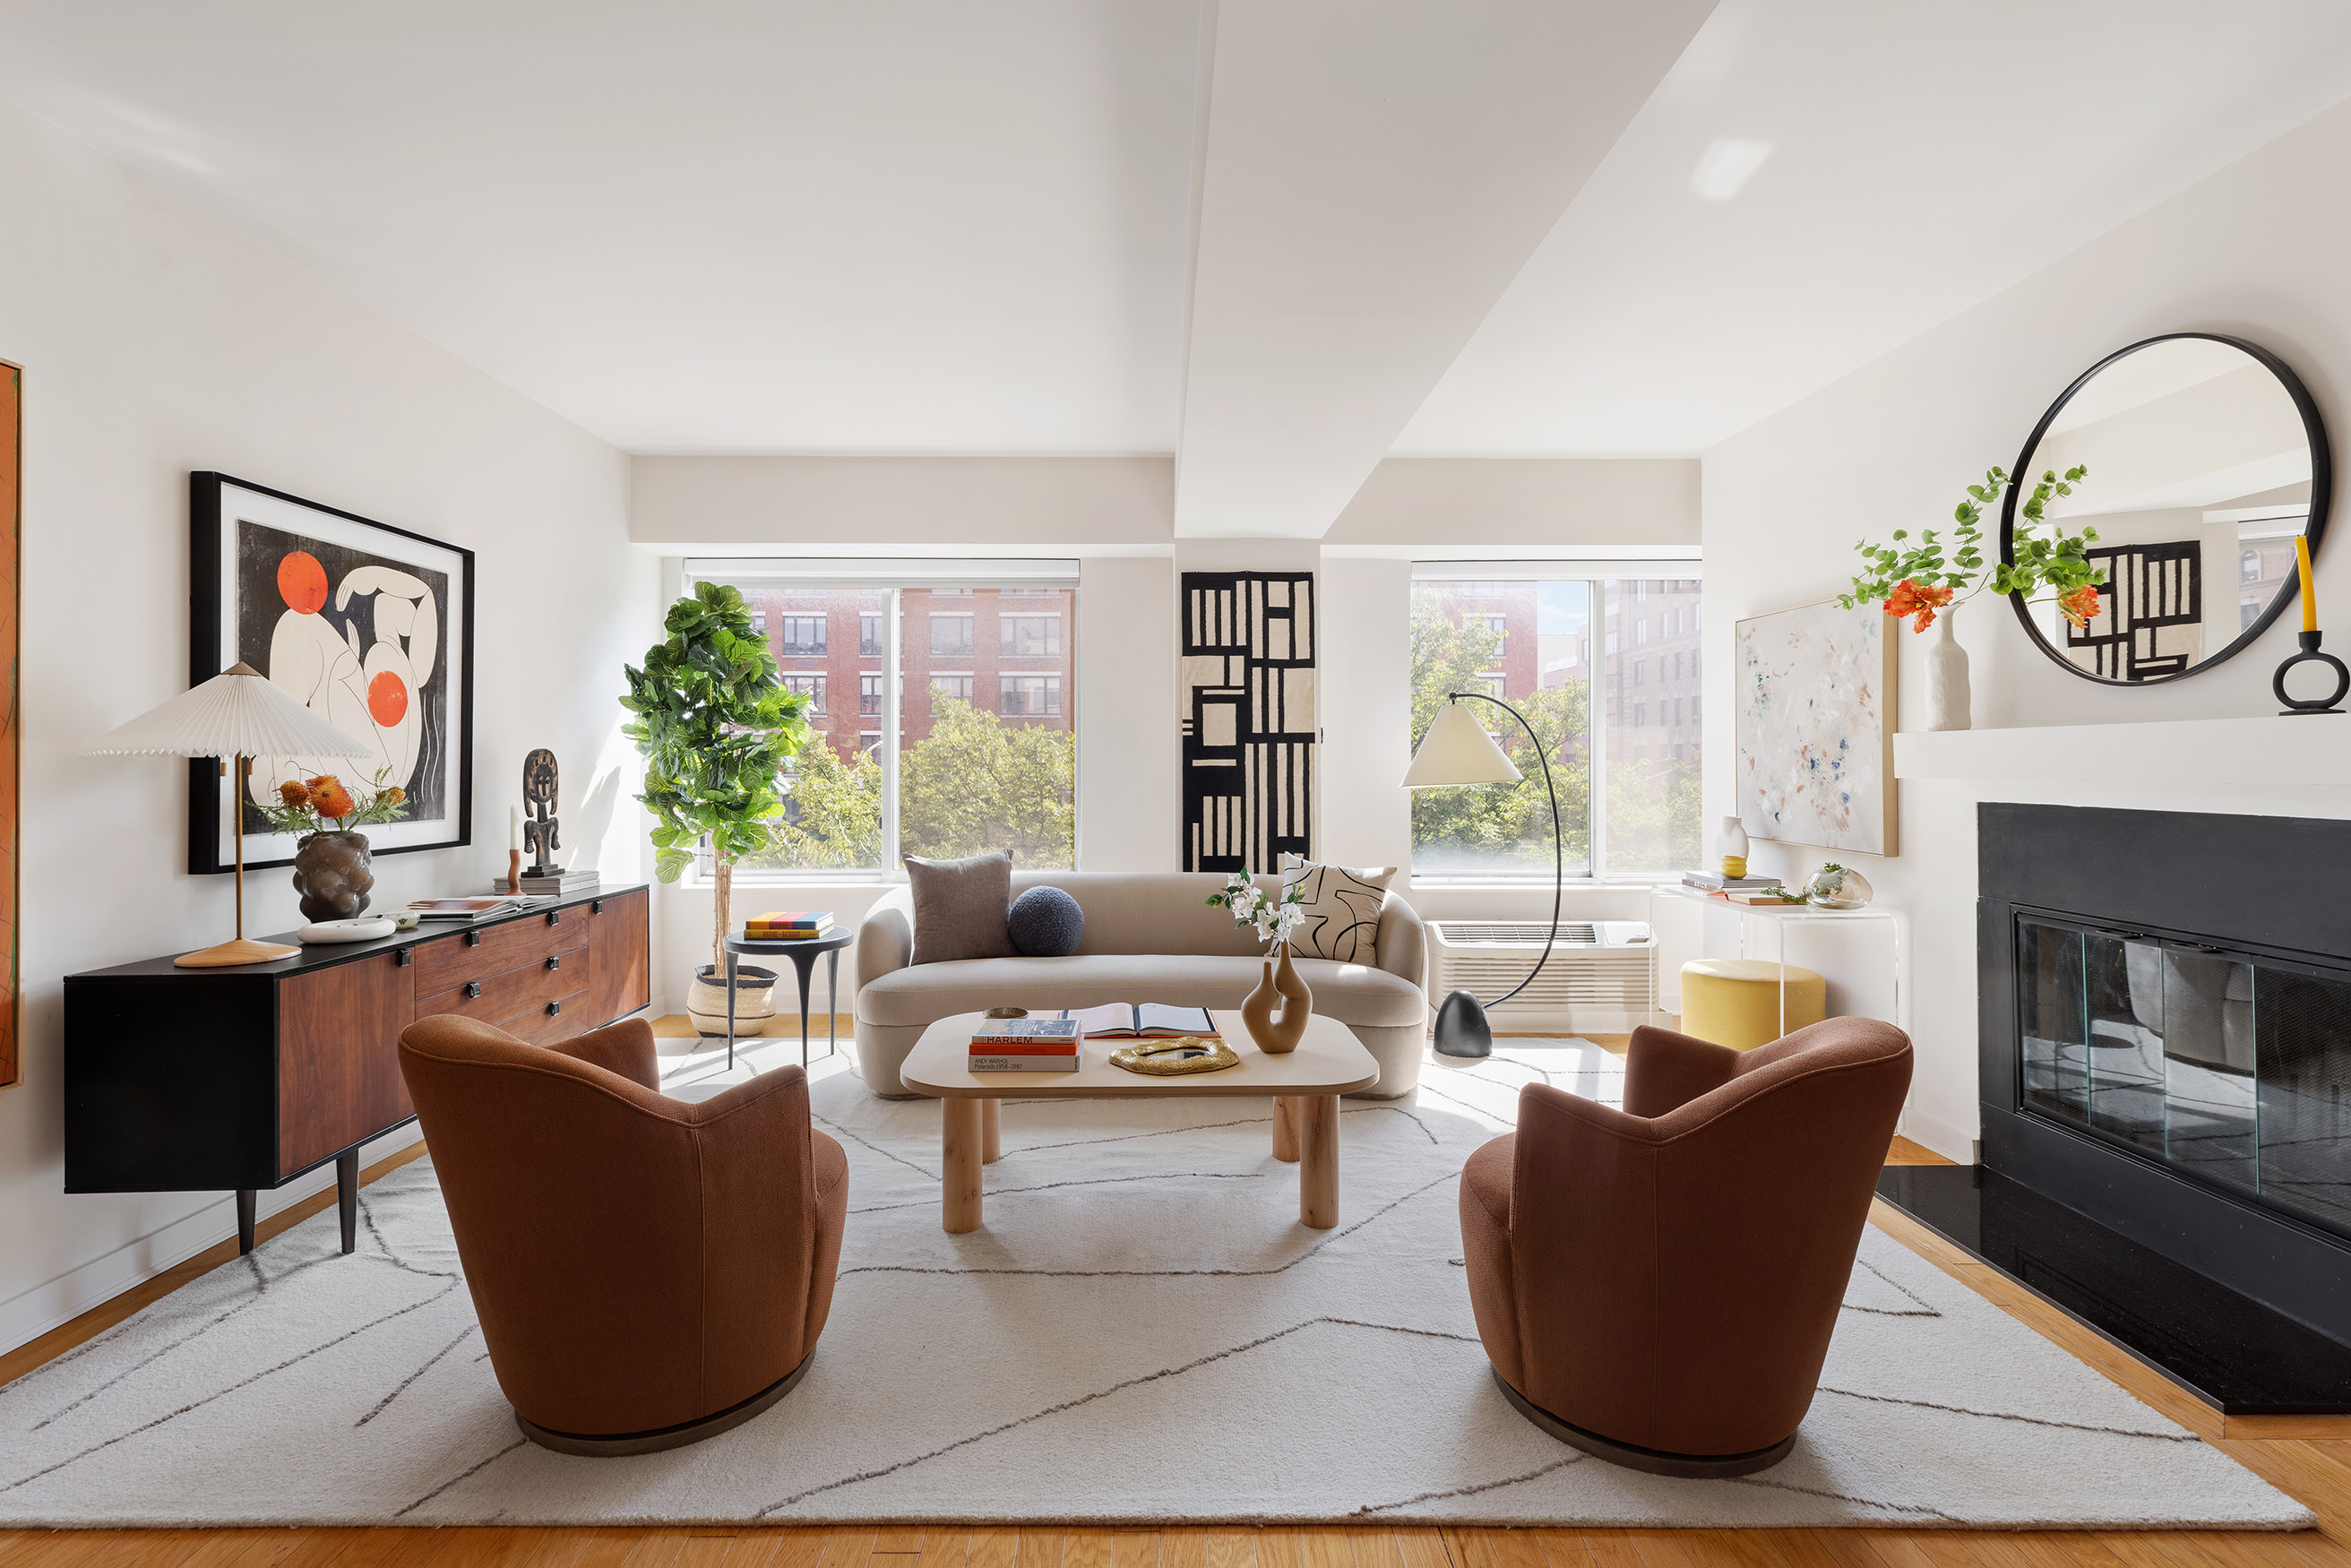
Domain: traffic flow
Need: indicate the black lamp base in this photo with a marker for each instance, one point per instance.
(1461, 1027)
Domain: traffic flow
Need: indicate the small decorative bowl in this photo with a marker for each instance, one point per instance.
(406, 920)
(1008, 1012)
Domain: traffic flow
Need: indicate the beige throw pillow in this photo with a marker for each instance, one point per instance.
(959, 907)
(1342, 908)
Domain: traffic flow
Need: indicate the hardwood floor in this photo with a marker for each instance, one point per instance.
(2307, 1457)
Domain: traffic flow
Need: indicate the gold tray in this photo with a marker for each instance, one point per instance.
(1175, 1058)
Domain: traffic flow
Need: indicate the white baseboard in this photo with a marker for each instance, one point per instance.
(31, 1313)
(1945, 1138)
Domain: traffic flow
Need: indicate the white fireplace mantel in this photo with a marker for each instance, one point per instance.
(2313, 753)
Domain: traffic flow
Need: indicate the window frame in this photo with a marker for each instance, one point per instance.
(1658, 577)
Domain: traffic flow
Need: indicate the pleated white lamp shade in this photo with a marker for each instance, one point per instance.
(1457, 750)
(238, 713)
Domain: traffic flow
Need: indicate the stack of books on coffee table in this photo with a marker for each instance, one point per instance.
(1026, 1045)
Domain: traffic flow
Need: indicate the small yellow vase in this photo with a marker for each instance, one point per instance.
(1734, 866)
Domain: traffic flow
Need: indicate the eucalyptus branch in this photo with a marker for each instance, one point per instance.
(1921, 576)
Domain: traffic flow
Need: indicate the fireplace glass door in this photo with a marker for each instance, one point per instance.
(2227, 1067)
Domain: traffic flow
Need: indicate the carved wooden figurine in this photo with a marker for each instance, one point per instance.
(540, 829)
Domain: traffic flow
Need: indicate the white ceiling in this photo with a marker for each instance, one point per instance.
(911, 225)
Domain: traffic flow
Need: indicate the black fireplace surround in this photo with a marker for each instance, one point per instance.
(2166, 1037)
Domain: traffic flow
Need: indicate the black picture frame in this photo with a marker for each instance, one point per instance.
(211, 624)
(2322, 496)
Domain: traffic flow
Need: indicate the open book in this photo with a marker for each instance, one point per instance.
(1140, 1020)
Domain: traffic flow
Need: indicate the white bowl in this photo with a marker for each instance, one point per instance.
(366, 929)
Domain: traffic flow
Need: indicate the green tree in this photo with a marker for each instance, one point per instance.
(976, 783)
(835, 816)
(715, 726)
(1490, 826)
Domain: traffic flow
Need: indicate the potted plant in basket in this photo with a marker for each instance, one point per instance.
(1929, 580)
(715, 726)
(333, 868)
(1273, 920)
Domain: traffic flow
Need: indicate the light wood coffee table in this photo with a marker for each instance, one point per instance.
(1304, 1086)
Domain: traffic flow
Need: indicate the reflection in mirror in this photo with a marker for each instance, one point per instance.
(2200, 478)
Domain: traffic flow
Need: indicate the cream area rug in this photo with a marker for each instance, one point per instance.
(1143, 1332)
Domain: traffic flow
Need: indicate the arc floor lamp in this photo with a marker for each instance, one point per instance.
(1457, 750)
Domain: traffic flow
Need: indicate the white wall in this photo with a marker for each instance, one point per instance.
(2251, 252)
(155, 340)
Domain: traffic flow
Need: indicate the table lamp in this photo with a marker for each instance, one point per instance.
(1457, 750)
(237, 714)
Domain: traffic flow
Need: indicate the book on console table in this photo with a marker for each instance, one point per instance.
(1715, 881)
(1140, 1020)
(560, 883)
(788, 925)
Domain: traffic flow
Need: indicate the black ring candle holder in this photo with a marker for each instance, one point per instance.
(2295, 707)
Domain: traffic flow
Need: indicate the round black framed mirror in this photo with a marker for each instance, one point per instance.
(2206, 460)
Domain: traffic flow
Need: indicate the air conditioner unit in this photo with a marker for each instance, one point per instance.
(1600, 978)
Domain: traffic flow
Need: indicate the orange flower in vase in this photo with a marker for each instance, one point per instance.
(1911, 597)
(2079, 605)
(295, 793)
(328, 794)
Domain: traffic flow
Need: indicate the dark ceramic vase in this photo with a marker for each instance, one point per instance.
(332, 875)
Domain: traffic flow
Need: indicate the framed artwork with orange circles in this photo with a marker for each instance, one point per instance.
(369, 626)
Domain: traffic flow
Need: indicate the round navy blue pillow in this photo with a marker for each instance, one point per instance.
(1045, 922)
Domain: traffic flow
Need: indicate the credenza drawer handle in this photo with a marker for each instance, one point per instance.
(553, 1009)
(473, 938)
(555, 918)
(554, 963)
(473, 988)
(405, 956)
(595, 906)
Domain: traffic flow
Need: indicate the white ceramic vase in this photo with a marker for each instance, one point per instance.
(1947, 676)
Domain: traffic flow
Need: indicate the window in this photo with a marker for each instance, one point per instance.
(1629, 796)
(811, 687)
(758, 622)
(1500, 625)
(1030, 696)
(950, 636)
(1026, 636)
(800, 636)
(920, 765)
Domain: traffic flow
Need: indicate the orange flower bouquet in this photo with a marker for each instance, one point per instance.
(1917, 581)
(326, 805)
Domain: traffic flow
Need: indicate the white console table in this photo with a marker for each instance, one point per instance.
(1752, 919)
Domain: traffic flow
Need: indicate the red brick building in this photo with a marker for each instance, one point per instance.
(1010, 650)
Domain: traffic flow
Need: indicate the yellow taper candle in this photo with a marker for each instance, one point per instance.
(2309, 592)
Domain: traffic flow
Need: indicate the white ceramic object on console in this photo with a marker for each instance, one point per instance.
(1947, 676)
(366, 930)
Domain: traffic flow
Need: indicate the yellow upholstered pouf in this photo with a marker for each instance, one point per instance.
(1736, 1001)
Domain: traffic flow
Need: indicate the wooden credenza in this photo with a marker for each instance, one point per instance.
(242, 1079)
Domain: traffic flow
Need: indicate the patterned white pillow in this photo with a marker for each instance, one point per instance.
(1342, 908)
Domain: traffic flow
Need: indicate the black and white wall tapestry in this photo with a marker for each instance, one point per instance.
(1249, 718)
(369, 626)
(2150, 619)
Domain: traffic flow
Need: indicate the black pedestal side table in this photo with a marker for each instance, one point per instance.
(803, 953)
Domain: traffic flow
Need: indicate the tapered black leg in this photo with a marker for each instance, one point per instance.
(807, 968)
(347, 1196)
(832, 1002)
(246, 1198)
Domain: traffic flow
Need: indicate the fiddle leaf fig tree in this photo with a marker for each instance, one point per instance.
(715, 726)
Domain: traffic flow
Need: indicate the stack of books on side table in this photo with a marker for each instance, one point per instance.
(1715, 881)
(1026, 1045)
(789, 925)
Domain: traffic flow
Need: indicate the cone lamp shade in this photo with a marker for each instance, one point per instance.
(1457, 750)
(237, 714)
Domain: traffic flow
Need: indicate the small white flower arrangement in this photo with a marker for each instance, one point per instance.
(1252, 906)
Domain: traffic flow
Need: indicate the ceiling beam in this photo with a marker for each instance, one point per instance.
(1372, 173)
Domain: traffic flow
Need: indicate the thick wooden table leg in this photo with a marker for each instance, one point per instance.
(991, 1140)
(959, 1160)
(1318, 1164)
(1285, 1127)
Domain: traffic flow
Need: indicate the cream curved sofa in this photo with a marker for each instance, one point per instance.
(1149, 937)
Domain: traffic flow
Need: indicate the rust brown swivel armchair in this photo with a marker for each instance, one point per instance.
(648, 1272)
(1657, 1285)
